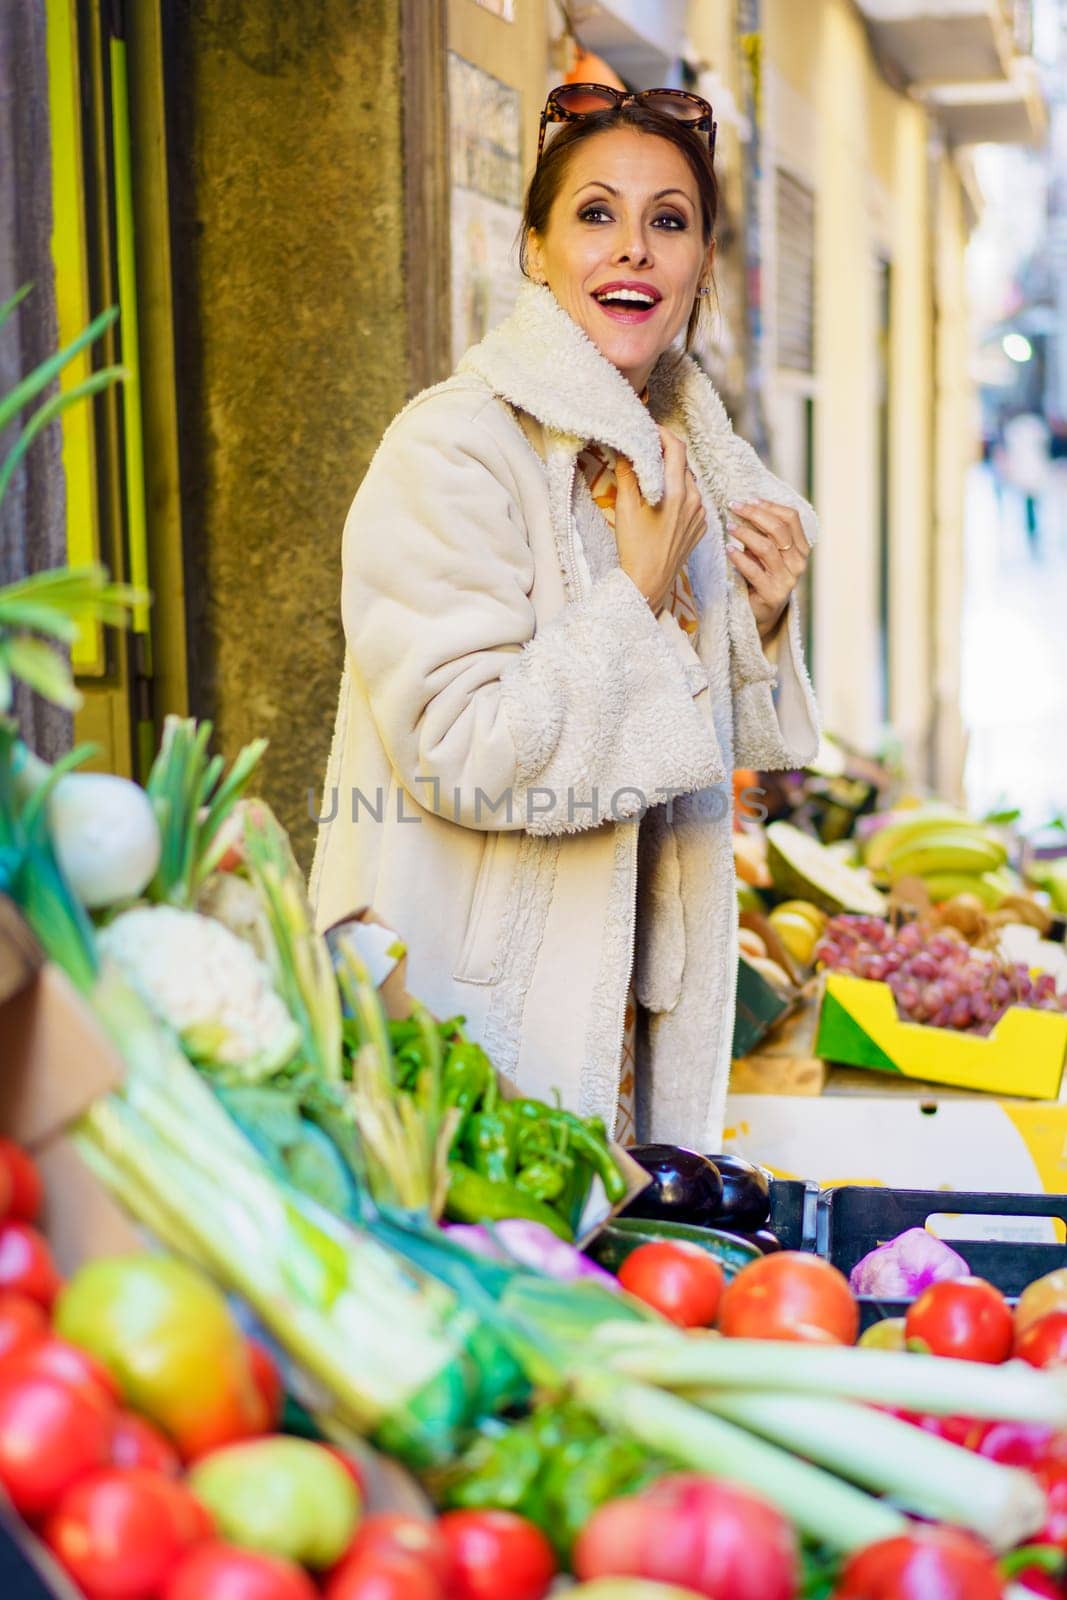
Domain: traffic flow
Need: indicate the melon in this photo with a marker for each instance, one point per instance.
(804, 869)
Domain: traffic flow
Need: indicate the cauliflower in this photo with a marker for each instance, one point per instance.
(209, 985)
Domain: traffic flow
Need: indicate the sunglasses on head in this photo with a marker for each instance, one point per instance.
(571, 102)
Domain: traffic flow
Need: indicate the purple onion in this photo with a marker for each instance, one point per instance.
(531, 1244)
(906, 1265)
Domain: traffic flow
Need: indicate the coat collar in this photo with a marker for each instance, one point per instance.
(542, 362)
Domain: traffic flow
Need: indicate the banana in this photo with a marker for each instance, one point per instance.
(988, 887)
(909, 825)
(963, 850)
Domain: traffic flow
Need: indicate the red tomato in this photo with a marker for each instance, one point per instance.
(393, 1533)
(385, 1576)
(496, 1555)
(120, 1532)
(1016, 1444)
(268, 1380)
(22, 1323)
(916, 1565)
(1044, 1342)
(965, 1431)
(70, 1365)
(791, 1295)
(218, 1571)
(1035, 1581)
(1052, 1476)
(698, 1533)
(23, 1182)
(680, 1281)
(962, 1317)
(136, 1442)
(50, 1435)
(26, 1264)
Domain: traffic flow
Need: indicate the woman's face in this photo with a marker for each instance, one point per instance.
(624, 251)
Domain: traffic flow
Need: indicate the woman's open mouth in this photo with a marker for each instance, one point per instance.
(627, 302)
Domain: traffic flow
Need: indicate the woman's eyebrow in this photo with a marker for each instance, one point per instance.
(661, 194)
(596, 183)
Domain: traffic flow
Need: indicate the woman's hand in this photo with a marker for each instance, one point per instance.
(772, 559)
(655, 542)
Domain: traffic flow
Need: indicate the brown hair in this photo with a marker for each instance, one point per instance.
(552, 170)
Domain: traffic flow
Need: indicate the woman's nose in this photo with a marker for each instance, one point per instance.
(635, 252)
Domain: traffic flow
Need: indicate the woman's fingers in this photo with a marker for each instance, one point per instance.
(781, 524)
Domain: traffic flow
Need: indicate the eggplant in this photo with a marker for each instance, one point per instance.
(685, 1187)
(764, 1240)
(746, 1193)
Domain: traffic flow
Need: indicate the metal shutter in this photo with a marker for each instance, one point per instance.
(794, 205)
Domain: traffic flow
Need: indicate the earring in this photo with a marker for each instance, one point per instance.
(704, 289)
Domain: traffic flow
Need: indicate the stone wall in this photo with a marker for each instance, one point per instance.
(288, 219)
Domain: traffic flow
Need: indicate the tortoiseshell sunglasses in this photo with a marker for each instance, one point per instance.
(570, 102)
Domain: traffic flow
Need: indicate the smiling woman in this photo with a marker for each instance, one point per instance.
(568, 601)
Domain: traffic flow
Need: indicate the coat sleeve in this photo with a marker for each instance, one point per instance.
(776, 720)
(488, 719)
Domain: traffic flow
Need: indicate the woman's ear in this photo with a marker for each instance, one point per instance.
(535, 265)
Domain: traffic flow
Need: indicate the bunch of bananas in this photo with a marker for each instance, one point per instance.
(952, 854)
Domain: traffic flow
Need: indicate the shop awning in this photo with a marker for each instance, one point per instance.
(943, 41)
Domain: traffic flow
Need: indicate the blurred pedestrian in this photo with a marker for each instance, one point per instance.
(1026, 468)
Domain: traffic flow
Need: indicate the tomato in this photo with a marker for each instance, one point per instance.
(791, 1295)
(23, 1186)
(1036, 1581)
(65, 1362)
(1052, 1476)
(1016, 1444)
(962, 1317)
(136, 1442)
(681, 1281)
(289, 1497)
(26, 1264)
(1044, 1342)
(699, 1533)
(219, 1571)
(1040, 1297)
(22, 1323)
(268, 1380)
(50, 1435)
(496, 1555)
(922, 1563)
(385, 1576)
(394, 1533)
(120, 1532)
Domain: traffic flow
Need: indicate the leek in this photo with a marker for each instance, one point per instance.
(917, 1470)
(829, 1511)
(193, 797)
(1013, 1392)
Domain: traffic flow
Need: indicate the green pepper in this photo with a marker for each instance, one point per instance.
(490, 1145)
(590, 1143)
(497, 1470)
(468, 1082)
(472, 1198)
(545, 1180)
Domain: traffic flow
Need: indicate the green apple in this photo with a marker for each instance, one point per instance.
(282, 1496)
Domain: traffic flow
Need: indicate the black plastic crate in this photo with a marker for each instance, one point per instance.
(854, 1220)
(794, 1213)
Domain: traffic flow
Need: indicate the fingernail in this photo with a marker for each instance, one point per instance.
(734, 544)
(737, 505)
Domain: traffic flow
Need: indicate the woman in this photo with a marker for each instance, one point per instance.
(568, 599)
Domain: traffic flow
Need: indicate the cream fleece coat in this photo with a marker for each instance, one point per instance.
(511, 707)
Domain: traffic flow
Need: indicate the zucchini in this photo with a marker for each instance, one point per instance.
(622, 1235)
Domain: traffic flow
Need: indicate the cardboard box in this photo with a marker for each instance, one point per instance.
(57, 1061)
(384, 954)
(905, 1135)
(859, 1026)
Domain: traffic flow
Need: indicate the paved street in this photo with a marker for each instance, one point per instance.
(1015, 651)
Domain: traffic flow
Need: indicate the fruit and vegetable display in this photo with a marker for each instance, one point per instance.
(935, 975)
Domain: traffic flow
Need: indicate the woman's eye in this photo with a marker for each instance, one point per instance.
(595, 214)
(670, 219)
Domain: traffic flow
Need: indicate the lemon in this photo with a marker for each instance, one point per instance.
(804, 908)
(796, 933)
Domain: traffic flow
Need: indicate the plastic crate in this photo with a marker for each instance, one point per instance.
(853, 1220)
(794, 1213)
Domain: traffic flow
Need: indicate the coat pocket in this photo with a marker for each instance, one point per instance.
(482, 950)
